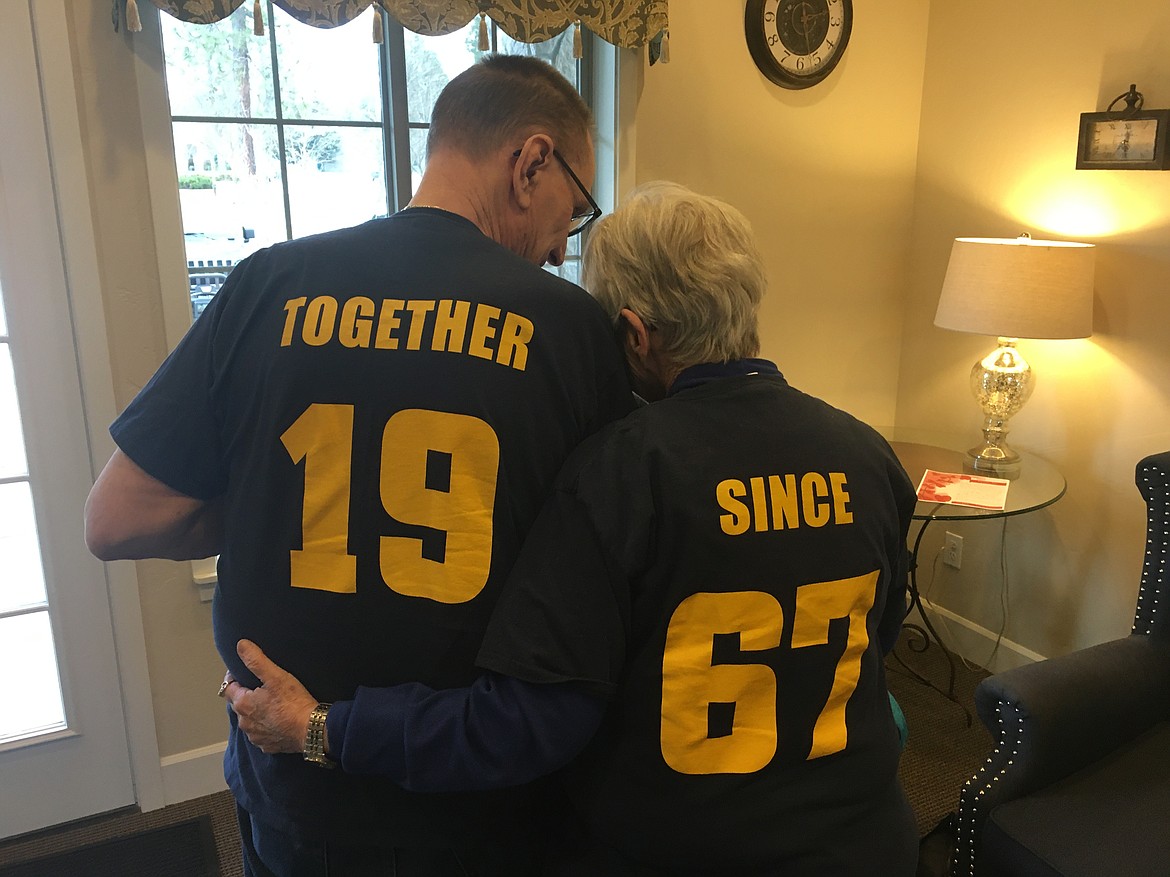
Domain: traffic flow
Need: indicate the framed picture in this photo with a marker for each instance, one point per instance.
(1134, 141)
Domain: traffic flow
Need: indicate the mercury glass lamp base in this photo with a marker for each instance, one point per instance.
(996, 460)
(1002, 382)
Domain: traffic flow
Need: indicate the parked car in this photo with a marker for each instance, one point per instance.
(210, 259)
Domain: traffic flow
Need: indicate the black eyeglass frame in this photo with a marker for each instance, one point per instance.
(595, 211)
(583, 218)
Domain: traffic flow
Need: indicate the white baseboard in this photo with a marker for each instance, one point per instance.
(976, 643)
(193, 774)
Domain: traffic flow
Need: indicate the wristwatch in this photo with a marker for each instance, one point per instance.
(314, 750)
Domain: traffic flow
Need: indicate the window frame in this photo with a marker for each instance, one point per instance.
(395, 125)
(612, 81)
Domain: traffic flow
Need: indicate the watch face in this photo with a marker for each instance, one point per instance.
(796, 43)
(1123, 140)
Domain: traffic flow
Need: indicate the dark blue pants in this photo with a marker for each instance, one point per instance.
(272, 853)
(884, 846)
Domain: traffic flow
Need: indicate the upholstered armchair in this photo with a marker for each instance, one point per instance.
(1078, 784)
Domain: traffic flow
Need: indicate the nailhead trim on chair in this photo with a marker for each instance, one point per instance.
(1154, 487)
(978, 795)
(973, 807)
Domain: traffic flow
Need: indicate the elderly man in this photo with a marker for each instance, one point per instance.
(363, 425)
(722, 571)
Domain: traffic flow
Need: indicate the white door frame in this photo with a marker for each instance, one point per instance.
(69, 176)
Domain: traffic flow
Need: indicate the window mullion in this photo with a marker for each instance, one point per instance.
(388, 173)
(263, 120)
(585, 66)
(31, 609)
(279, 123)
(396, 115)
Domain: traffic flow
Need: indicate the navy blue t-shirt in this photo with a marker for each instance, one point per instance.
(383, 410)
(725, 565)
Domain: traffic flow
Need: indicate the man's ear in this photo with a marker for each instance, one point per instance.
(534, 156)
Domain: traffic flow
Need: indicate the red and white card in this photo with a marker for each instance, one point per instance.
(975, 491)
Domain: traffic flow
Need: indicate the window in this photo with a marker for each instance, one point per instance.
(26, 636)
(306, 129)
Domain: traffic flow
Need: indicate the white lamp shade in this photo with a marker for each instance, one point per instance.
(1018, 288)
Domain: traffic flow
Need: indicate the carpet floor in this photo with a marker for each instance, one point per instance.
(942, 751)
(187, 847)
(109, 828)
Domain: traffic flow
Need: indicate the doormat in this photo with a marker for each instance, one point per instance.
(185, 849)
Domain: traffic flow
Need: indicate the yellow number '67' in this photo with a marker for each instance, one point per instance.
(691, 683)
(461, 507)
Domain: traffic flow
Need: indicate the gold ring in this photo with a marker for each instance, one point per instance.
(223, 687)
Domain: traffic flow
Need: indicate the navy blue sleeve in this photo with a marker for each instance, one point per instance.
(890, 627)
(170, 429)
(894, 615)
(499, 732)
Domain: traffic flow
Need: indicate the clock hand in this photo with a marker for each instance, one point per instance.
(804, 20)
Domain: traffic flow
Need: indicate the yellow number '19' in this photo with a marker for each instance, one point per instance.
(464, 511)
(462, 507)
(691, 682)
(323, 436)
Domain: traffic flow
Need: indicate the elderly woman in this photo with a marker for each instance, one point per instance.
(707, 594)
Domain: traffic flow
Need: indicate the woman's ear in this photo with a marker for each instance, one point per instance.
(648, 371)
(635, 334)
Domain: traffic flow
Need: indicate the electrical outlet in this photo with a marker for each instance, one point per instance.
(953, 550)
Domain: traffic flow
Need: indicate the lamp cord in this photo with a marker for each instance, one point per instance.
(1003, 600)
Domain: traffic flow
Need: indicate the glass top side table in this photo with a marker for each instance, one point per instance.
(1037, 484)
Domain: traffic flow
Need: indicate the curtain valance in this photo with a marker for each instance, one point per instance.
(627, 23)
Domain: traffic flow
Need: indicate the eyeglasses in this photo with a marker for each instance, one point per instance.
(578, 221)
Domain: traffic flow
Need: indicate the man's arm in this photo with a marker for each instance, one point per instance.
(498, 732)
(130, 515)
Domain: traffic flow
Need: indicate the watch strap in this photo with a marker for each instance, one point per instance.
(314, 750)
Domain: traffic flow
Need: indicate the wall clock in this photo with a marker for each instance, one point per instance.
(797, 43)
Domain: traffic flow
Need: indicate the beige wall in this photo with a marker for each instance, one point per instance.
(184, 668)
(1005, 84)
(826, 176)
(855, 205)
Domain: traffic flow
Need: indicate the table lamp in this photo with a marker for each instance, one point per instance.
(1013, 288)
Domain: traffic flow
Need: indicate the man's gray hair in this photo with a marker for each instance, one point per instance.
(687, 264)
(503, 99)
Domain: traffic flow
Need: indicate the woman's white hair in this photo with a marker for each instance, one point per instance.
(686, 264)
